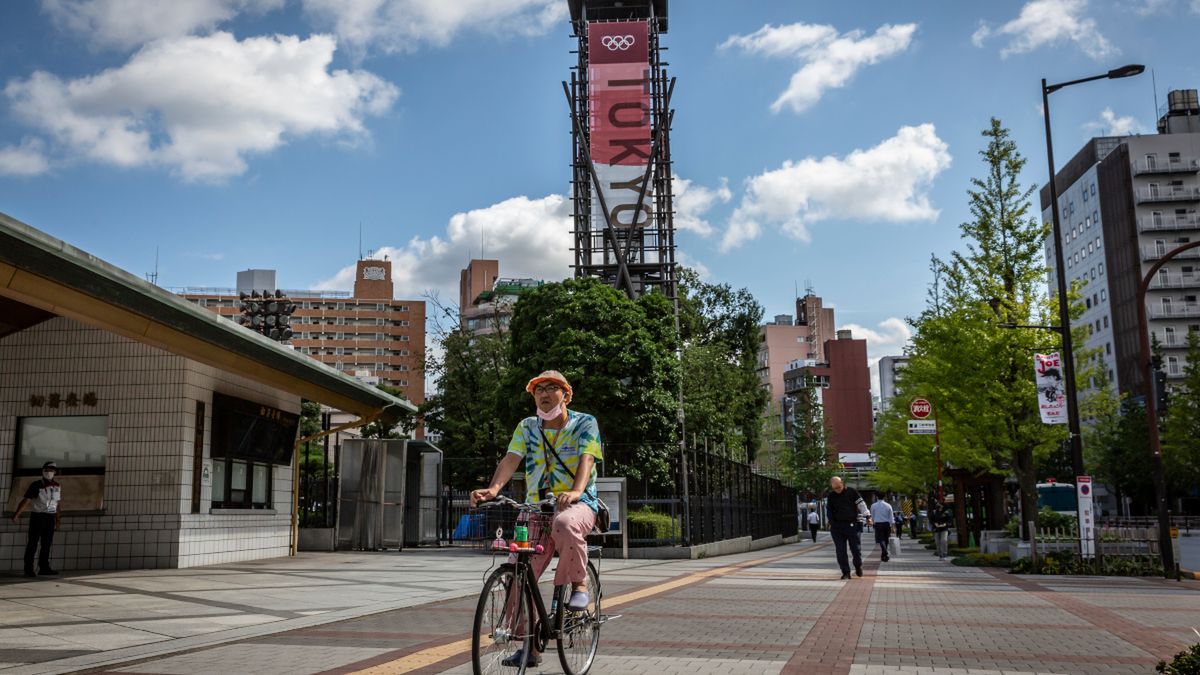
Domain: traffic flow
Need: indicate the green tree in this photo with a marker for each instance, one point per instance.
(465, 408)
(620, 356)
(1120, 448)
(1181, 435)
(806, 463)
(967, 356)
(723, 399)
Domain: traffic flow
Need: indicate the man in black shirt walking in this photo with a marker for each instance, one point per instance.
(847, 512)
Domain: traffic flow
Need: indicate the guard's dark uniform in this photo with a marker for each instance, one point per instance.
(43, 496)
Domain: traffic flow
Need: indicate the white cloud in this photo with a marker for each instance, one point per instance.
(888, 182)
(829, 59)
(1047, 22)
(1151, 7)
(26, 159)
(686, 260)
(888, 339)
(404, 25)
(1111, 125)
(692, 203)
(127, 24)
(530, 238)
(201, 105)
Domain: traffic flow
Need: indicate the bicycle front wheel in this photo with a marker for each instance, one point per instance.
(579, 632)
(503, 624)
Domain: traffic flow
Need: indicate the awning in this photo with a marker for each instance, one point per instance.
(46, 274)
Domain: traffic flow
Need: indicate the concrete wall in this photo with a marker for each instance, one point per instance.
(149, 397)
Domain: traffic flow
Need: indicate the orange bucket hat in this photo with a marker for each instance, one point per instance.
(551, 376)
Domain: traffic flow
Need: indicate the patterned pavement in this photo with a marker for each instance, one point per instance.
(781, 610)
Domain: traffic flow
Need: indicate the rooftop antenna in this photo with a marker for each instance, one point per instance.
(360, 255)
(152, 277)
(1154, 83)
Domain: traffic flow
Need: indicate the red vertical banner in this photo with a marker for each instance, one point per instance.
(619, 118)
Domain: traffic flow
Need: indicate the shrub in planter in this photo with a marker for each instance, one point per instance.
(649, 524)
(1186, 662)
(982, 560)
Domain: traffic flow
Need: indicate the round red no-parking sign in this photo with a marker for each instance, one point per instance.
(920, 408)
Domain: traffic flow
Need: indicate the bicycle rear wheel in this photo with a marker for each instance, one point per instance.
(579, 632)
(503, 623)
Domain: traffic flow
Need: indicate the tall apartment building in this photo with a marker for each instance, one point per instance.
(486, 299)
(1123, 203)
(843, 385)
(367, 332)
(889, 369)
(788, 338)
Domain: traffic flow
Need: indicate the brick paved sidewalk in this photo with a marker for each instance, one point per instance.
(781, 610)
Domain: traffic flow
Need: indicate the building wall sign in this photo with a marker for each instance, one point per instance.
(59, 400)
(374, 273)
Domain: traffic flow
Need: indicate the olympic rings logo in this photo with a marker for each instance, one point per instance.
(617, 42)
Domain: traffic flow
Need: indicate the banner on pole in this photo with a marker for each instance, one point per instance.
(1051, 388)
(619, 120)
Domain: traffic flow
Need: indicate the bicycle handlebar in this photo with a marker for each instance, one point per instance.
(501, 500)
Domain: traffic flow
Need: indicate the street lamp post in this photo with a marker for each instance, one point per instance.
(1064, 314)
(1156, 462)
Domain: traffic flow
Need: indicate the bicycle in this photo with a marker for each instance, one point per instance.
(510, 602)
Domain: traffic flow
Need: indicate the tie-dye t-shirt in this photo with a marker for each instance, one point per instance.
(580, 436)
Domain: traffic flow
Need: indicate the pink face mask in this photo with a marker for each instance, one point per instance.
(555, 413)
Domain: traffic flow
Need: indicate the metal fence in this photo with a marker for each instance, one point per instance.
(713, 498)
(1109, 543)
(1186, 524)
(709, 498)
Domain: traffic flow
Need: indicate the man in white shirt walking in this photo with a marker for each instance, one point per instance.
(882, 515)
(814, 524)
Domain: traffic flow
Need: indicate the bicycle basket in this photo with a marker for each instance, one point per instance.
(500, 523)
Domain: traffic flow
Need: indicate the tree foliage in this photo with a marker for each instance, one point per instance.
(968, 357)
(620, 356)
(806, 462)
(723, 400)
(1181, 437)
(466, 405)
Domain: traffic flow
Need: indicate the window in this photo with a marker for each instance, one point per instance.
(1093, 189)
(248, 440)
(1087, 223)
(1100, 268)
(1106, 322)
(1088, 301)
(1085, 194)
(1104, 295)
(1108, 348)
(1169, 336)
(78, 444)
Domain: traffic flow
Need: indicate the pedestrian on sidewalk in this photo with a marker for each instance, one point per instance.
(814, 524)
(899, 524)
(939, 520)
(882, 514)
(846, 511)
(41, 497)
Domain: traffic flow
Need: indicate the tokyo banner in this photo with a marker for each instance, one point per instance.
(1052, 398)
(619, 120)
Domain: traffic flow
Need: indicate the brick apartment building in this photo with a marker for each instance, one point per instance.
(367, 332)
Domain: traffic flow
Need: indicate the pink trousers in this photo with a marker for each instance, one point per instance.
(568, 536)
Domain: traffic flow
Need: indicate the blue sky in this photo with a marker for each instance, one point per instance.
(828, 143)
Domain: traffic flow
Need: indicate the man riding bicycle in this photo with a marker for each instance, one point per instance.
(560, 448)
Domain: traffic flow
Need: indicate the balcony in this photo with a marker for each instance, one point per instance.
(1168, 223)
(1171, 341)
(1178, 310)
(1176, 193)
(1178, 165)
(1154, 252)
(1165, 282)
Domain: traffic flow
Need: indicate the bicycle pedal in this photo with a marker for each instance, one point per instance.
(605, 618)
